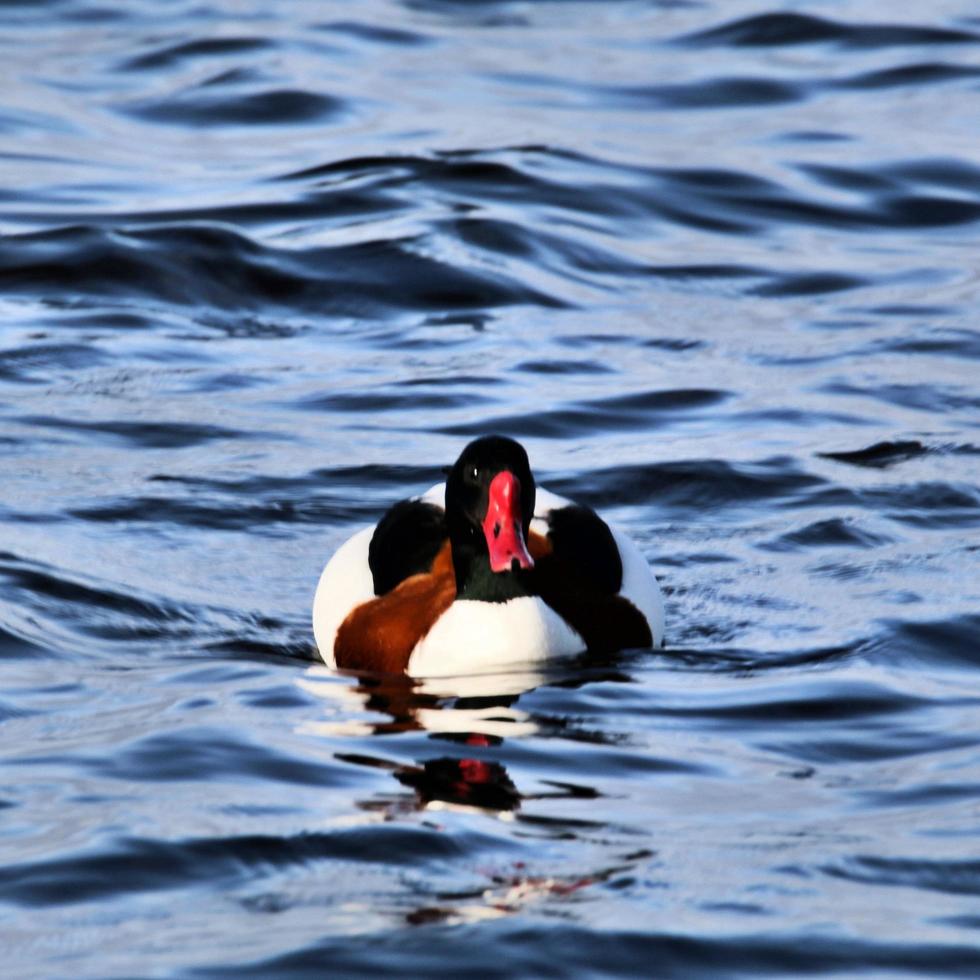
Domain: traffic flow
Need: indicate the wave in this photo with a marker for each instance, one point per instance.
(140, 865)
(217, 267)
(543, 948)
(782, 29)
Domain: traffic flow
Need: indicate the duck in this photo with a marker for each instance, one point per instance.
(483, 571)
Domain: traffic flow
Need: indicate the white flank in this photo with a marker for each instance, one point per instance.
(345, 583)
(640, 586)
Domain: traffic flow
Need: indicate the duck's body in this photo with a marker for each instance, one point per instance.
(482, 571)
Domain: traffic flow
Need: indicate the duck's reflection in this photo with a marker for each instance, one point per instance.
(465, 783)
(476, 712)
(472, 717)
(482, 704)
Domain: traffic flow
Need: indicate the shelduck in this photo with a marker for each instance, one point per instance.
(482, 571)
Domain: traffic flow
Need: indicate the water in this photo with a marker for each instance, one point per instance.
(265, 268)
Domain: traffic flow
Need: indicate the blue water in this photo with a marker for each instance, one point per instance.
(266, 267)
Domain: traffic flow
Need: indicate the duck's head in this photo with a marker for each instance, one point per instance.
(489, 506)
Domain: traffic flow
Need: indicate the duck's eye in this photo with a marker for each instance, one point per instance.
(475, 472)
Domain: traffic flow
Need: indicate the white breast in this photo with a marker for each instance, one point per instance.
(473, 637)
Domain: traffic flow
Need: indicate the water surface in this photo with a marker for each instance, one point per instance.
(264, 270)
